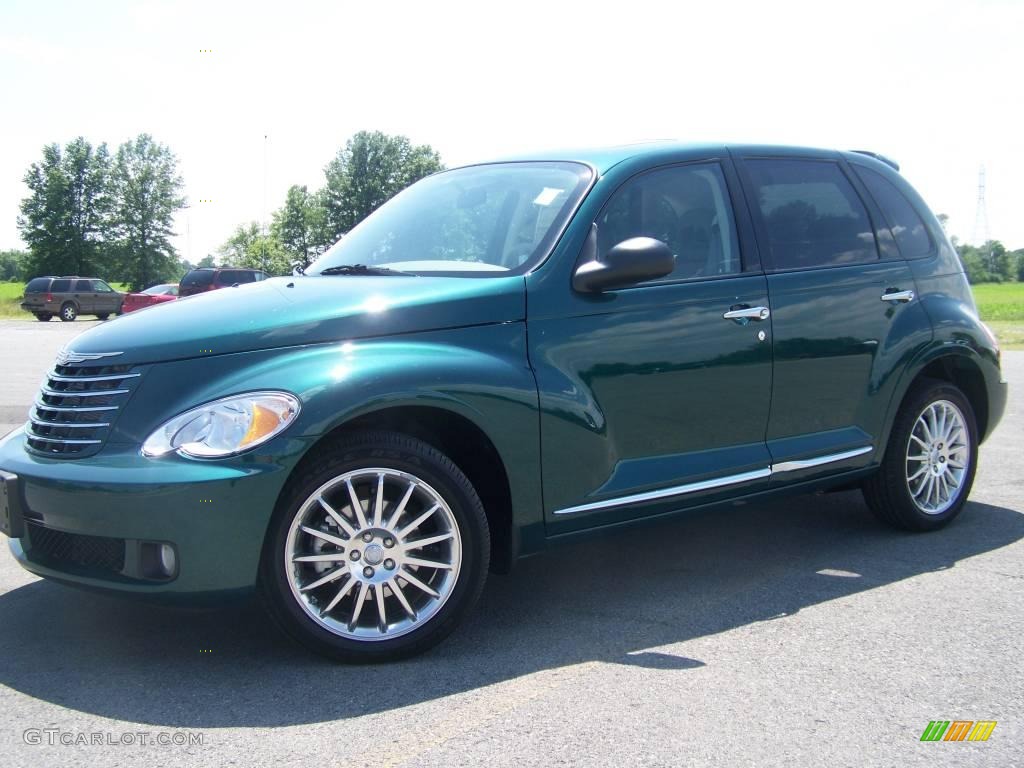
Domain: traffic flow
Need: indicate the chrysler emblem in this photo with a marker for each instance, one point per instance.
(66, 356)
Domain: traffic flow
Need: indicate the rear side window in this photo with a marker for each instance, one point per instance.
(686, 207)
(243, 276)
(38, 285)
(198, 278)
(811, 214)
(60, 286)
(83, 286)
(907, 227)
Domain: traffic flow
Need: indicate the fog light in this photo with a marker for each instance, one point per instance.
(168, 560)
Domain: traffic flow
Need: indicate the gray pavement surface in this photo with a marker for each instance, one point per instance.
(798, 632)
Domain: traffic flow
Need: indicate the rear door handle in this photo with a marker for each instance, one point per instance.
(898, 296)
(748, 313)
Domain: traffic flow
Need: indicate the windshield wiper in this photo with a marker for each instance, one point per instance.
(361, 269)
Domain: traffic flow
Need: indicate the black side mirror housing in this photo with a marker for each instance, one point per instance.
(632, 261)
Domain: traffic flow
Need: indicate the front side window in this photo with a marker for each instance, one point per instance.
(812, 215)
(479, 221)
(907, 227)
(685, 207)
(101, 287)
(244, 276)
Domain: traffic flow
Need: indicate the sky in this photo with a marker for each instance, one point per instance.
(253, 97)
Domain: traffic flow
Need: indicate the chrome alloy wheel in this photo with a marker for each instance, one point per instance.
(373, 554)
(938, 453)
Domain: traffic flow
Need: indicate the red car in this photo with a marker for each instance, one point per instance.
(158, 294)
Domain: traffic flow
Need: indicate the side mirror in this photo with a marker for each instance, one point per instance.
(632, 261)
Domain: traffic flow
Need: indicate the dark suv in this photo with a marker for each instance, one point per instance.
(211, 278)
(70, 297)
(504, 358)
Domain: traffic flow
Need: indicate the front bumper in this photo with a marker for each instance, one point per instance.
(214, 514)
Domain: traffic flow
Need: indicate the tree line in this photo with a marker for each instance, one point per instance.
(93, 212)
(111, 215)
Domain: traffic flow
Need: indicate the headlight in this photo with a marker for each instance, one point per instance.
(225, 427)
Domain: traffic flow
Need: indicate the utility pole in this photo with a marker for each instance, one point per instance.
(263, 241)
(981, 234)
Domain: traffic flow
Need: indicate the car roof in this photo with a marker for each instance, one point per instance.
(604, 158)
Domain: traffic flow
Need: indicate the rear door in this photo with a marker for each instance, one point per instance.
(85, 296)
(844, 313)
(651, 398)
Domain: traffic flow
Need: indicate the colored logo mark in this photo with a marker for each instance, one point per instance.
(958, 730)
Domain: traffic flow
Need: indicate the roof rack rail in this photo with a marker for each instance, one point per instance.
(887, 160)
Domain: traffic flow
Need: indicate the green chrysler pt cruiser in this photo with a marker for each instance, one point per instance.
(502, 358)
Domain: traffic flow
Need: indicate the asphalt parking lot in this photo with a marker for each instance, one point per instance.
(799, 632)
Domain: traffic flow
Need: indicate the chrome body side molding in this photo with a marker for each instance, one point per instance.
(717, 482)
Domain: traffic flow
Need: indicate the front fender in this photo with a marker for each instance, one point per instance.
(480, 373)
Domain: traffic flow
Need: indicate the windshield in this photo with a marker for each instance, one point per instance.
(482, 220)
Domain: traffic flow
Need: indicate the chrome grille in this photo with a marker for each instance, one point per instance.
(76, 407)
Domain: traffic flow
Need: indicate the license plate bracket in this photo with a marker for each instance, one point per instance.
(12, 521)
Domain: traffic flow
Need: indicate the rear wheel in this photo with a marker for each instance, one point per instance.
(378, 550)
(43, 317)
(930, 461)
(68, 312)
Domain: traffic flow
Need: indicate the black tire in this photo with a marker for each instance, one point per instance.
(888, 492)
(43, 317)
(68, 312)
(390, 451)
(102, 317)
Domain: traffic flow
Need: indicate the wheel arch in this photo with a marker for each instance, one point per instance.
(466, 444)
(955, 364)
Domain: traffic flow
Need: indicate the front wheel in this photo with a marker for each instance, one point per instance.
(102, 317)
(377, 551)
(68, 312)
(929, 464)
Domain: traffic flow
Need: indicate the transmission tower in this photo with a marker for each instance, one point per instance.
(981, 214)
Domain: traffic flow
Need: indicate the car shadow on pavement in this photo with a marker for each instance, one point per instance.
(614, 600)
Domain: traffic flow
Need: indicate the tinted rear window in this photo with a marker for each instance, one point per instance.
(812, 215)
(38, 285)
(83, 285)
(198, 278)
(60, 286)
(907, 227)
(241, 276)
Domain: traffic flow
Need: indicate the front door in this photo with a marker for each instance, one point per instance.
(107, 299)
(651, 399)
(841, 315)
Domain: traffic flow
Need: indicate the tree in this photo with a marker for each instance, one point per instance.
(13, 265)
(248, 247)
(207, 261)
(371, 169)
(147, 190)
(63, 219)
(300, 226)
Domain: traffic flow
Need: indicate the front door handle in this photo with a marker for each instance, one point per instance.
(748, 313)
(898, 296)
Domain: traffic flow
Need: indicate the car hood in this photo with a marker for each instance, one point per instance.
(291, 311)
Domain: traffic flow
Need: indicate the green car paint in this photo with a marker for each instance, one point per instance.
(599, 407)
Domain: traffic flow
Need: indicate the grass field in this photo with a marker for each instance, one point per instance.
(1001, 305)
